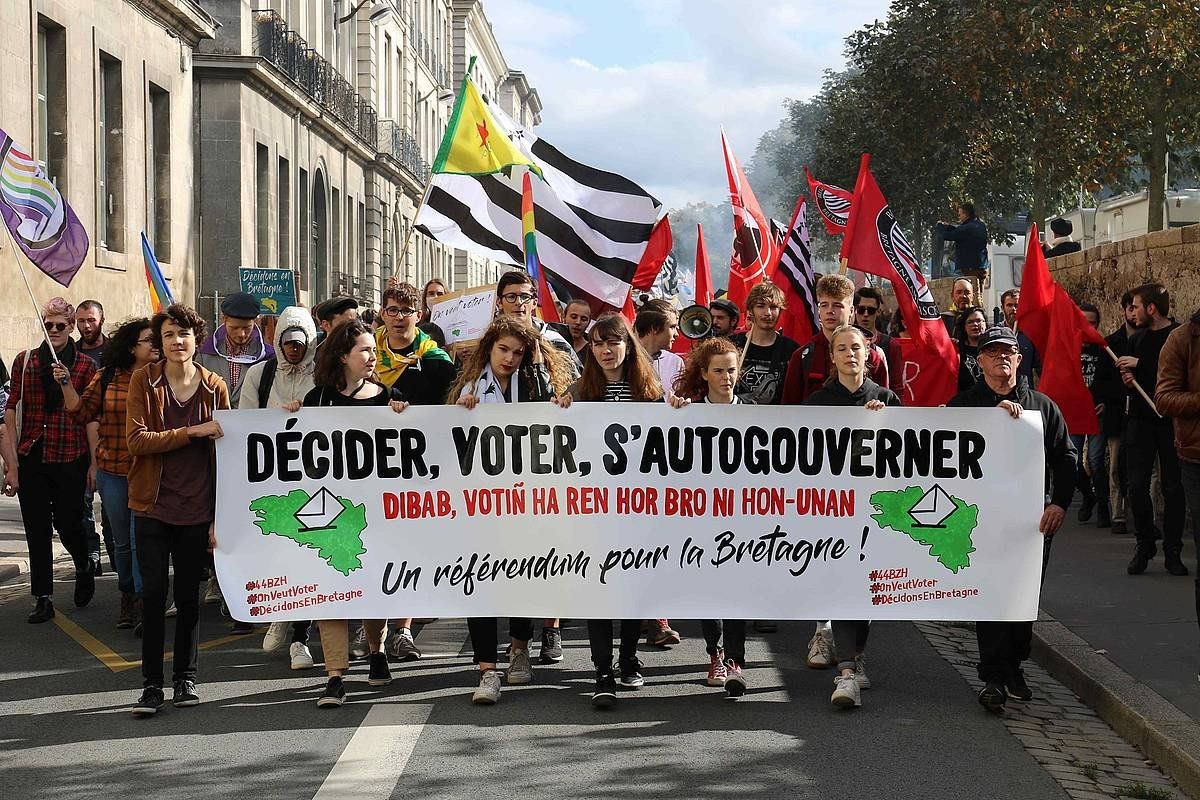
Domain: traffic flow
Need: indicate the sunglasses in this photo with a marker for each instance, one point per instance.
(396, 311)
(869, 310)
(57, 326)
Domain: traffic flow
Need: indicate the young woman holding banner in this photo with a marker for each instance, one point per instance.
(345, 377)
(709, 376)
(512, 364)
(615, 369)
(851, 387)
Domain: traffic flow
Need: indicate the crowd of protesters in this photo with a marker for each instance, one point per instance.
(130, 415)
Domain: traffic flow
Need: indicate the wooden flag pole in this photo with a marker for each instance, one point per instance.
(408, 236)
(1136, 385)
(37, 310)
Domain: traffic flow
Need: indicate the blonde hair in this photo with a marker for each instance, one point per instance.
(836, 286)
(764, 293)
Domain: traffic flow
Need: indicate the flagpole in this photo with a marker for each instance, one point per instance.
(37, 310)
(1136, 385)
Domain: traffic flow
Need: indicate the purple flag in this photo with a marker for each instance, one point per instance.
(41, 222)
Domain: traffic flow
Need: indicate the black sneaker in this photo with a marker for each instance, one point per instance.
(1017, 689)
(85, 586)
(334, 694)
(1119, 527)
(380, 674)
(992, 697)
(605, 693)
(43, 611)
(239, 628)
(552, 652)
(1086, 509)
(185, 694)
(631, 675)
(1174, 564)
(1139, 562)
(149, 703)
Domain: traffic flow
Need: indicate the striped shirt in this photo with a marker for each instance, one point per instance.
(106, 405)
(618, 392)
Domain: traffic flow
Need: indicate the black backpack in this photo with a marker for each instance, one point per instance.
(266, 381)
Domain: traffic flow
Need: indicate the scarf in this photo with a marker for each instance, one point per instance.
(392, 364)
(50, 389)
(489, 390)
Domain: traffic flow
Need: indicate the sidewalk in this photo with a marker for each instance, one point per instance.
(14, 554)
(1127, 644)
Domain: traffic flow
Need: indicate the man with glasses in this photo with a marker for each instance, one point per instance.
(48, 462)
(517, 296)
(962, 295)
(1004, 645)
(868, 308)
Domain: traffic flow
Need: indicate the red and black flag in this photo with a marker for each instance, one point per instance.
(832, 202)
(754, 246)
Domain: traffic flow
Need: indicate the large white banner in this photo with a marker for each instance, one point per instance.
(630, 511)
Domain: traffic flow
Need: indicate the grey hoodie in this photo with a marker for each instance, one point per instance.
(291, 382)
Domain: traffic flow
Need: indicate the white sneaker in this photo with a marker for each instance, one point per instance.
(276, 635)
(846, 693)
(213, 594)
(301, 657)
(171, 611)
(488, 692)
(860, 671)
(520, 670)
(820, 650)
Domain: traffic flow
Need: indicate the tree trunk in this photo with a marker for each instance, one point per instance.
(1157, 158)
(1038, 209)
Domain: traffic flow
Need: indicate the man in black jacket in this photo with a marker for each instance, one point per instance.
(970, 242)
(1004, 645)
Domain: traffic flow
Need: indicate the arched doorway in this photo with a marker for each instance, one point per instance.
(320, 239)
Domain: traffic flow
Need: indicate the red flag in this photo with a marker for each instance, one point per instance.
(1058, 329)
(832, 202)
(655, 255)
(875, 244)
(753, 246)
(704, 294)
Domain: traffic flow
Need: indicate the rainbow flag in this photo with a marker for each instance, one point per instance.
(160, 291)
(532, 265)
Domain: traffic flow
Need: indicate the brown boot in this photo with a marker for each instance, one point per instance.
(125, 617)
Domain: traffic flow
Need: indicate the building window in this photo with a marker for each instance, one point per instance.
(110, 140)
(52, 101)
(158, 172)
(385, 245)
(305, 231)
(335, 211)
(284, 217)
(351, 247)
(262, 205)
(362, 238)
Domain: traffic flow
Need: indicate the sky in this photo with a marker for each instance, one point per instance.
(643, 87)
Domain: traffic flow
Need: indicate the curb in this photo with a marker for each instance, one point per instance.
(12, 569)
(1166, 735)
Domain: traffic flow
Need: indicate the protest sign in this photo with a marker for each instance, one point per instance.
(630, 511)
(275, 289)
(464, 315)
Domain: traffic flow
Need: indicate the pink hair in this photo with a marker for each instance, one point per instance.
(58, 307)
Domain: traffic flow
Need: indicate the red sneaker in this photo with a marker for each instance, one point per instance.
(716, 669)
(661, 634)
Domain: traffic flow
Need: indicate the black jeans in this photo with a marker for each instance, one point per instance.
(1004, 645)
(734, 632)
(849, 639)
(600, 637)
(159, 545)
(1190, 473)
(51, 496)
(485, 641)
(1146, 441)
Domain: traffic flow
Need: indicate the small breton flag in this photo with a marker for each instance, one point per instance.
(160, 292)
(532, 266)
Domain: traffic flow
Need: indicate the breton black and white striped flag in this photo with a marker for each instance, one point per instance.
(794, 273)
(592, 226)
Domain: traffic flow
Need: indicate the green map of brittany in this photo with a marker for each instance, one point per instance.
(331, 525)
(932, 518)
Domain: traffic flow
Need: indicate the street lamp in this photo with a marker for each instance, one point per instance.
(381, 13)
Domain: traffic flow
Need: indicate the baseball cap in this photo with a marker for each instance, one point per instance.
(294, 335)
(997, 334)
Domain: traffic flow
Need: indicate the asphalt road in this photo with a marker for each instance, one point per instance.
(66, 732)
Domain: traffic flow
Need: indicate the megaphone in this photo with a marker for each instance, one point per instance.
(695, 322)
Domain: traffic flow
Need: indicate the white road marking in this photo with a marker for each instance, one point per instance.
(374, 760)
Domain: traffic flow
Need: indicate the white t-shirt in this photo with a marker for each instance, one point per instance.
(667, 365)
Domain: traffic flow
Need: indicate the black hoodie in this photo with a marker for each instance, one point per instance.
(835, 394)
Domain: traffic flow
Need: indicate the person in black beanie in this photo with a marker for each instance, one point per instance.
(1061, 243)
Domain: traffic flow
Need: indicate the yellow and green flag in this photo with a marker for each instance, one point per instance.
(474, 144)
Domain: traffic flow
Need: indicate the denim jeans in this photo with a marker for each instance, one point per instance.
(114, 494)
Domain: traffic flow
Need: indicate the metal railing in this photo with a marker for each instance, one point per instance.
(316, 77)
(396, 143)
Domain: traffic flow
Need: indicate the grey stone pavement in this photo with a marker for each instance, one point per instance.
(65, 730)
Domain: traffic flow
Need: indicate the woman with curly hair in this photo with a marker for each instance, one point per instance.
(968, 327)
(127, 350)
(615, 369)
(513, 363)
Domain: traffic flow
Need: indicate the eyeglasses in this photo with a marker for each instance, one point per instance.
(518, 298)
(57, 326)
(999, 352)
(146, 341)
(868, 310)
(397, 311)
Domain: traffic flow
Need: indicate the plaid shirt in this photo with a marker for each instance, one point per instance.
(112, 448)
(63, 439)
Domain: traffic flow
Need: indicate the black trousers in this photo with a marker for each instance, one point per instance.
(600, 637)
(158, 546)
(1004, 645)
(1145, 442)
(734, 633)
(51, 496)
(485, 641)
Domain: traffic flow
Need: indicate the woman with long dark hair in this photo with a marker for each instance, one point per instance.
(513, 363)
(128, 349)
(345, 376)
(968, 327)
(616, 368)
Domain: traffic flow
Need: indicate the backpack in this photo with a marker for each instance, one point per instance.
(266, 381)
